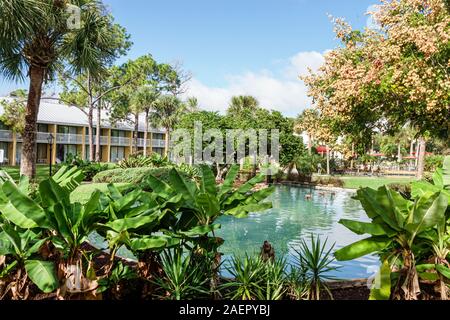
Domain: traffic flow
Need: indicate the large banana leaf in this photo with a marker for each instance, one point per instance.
(200, 230)
(69, 178)
(152, 243)
(428, 211)
(21, 210)
(374, 229)
(362, 248)
(227, 186)
(43, 274)
(208, 181)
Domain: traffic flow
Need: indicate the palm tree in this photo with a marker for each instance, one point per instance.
(167, 111)
(144, 100)
(240, 104)
(36, 38)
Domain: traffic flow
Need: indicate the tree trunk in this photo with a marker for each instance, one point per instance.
(328, 161)
(146, 132)
(167, 142)
(91, 119)
(422, 155)
(136, 132)
(97, 138)
(91, 135)
(28, 161)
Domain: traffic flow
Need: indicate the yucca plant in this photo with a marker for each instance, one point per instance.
(315, 264)
(183, 278)
(274, 280)
(247, 278)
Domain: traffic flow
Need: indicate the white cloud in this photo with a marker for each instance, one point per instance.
(371, 23)
(281, 90)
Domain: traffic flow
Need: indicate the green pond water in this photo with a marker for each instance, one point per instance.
(293, 218)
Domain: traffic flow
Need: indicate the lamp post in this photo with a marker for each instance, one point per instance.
(50, 140)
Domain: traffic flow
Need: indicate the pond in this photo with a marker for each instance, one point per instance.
(293, 218)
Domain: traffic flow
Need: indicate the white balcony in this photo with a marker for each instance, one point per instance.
(120, 141)
(103, 140)
(62, 138)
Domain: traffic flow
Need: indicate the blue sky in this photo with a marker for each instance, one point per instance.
(236, 46)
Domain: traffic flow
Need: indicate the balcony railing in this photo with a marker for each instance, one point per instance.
(62, 138)
(103, 140)
(159, 143)
(6, 135)
(120, 141)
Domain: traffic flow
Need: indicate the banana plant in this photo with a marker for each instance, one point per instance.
(204, 202)
(134, 218)
(20, 248)
(67, 225)
(399, 229)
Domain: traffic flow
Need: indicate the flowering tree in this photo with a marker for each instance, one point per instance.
(391, 76)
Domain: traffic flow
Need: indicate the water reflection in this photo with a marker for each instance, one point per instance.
(297, 213)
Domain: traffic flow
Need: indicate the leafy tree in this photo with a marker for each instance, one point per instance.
(14, 111)
(392, 76)
(135, 74)
(166, 113)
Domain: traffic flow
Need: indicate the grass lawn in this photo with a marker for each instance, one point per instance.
(84, 192)
(373, 182)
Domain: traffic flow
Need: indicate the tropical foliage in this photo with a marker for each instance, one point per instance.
(410, 236)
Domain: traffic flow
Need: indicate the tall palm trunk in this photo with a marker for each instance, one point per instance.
(167, 141)
(97, 137)
(91, 119)
(421, 160)
(146, 131)
(91, 135)
(136, 132)
(28, 161)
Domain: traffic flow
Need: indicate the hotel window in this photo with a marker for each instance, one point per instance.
(63, 150)
(42, 153)
(42, 127)
(159, 136)
(67, 130)
(117, 154)
(117, 134)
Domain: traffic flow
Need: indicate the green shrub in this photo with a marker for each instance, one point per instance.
(132, 175)
(432, 163)
(141, 161)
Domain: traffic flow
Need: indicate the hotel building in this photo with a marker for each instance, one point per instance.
(69, 127)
